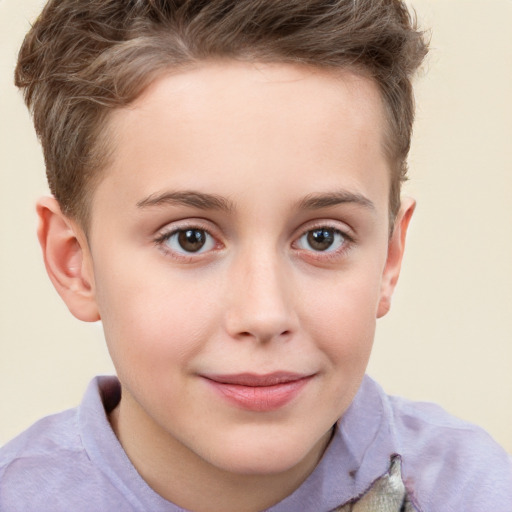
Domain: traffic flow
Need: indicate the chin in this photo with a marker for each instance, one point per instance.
(272, 455)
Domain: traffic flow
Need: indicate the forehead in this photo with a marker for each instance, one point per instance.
(247, 123)
(243, 96)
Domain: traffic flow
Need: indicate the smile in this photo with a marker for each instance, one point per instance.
(259, 393)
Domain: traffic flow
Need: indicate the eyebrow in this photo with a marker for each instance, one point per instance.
(191, 198)
(325, 200)
(206, 201)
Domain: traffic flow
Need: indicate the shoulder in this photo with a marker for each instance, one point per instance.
(31, 461)
(449, 464)
(47, 468)
(50, 439)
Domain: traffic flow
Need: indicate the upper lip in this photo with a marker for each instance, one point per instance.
(257, 380)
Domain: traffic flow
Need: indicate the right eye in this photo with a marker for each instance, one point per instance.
(188, 241)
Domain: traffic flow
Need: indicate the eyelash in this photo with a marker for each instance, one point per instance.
(325, 256)
(167, 234)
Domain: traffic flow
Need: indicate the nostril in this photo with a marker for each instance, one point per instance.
(263, 336)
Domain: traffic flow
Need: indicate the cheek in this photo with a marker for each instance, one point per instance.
(342, 318)
(153, 322)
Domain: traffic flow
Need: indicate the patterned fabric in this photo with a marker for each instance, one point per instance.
(387, 494)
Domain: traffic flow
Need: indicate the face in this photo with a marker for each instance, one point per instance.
(238, 255)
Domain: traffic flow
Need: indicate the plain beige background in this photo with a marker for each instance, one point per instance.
(448, 338)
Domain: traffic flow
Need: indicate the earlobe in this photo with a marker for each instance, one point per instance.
(396, 249)
(67, 259)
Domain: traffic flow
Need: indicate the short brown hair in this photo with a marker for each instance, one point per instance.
(83, 58)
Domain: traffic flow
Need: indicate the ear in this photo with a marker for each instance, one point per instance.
(396, 249)
(67, 259)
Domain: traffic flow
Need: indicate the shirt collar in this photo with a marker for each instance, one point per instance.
(359, 453)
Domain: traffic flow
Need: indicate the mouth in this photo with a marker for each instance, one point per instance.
(259, 393)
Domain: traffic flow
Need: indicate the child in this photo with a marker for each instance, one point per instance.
(226, 199)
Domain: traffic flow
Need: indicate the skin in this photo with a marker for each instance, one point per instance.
(255, 158)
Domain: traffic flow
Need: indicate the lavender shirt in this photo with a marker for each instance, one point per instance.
(73, 461)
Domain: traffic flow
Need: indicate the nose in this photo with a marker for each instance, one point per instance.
(261, 308)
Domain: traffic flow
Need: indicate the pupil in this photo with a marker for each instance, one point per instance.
(191, 240)
(321, 239)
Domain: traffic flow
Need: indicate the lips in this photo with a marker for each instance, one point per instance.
(259, 393)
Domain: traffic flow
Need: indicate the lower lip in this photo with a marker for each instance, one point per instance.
(260, 398)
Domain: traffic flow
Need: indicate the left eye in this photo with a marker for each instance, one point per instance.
(190, 241)
(321, 240)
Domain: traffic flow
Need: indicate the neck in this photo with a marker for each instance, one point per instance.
(185, 479)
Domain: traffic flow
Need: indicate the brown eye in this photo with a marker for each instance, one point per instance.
(192, 240)
(321, 240)
(189, 241)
